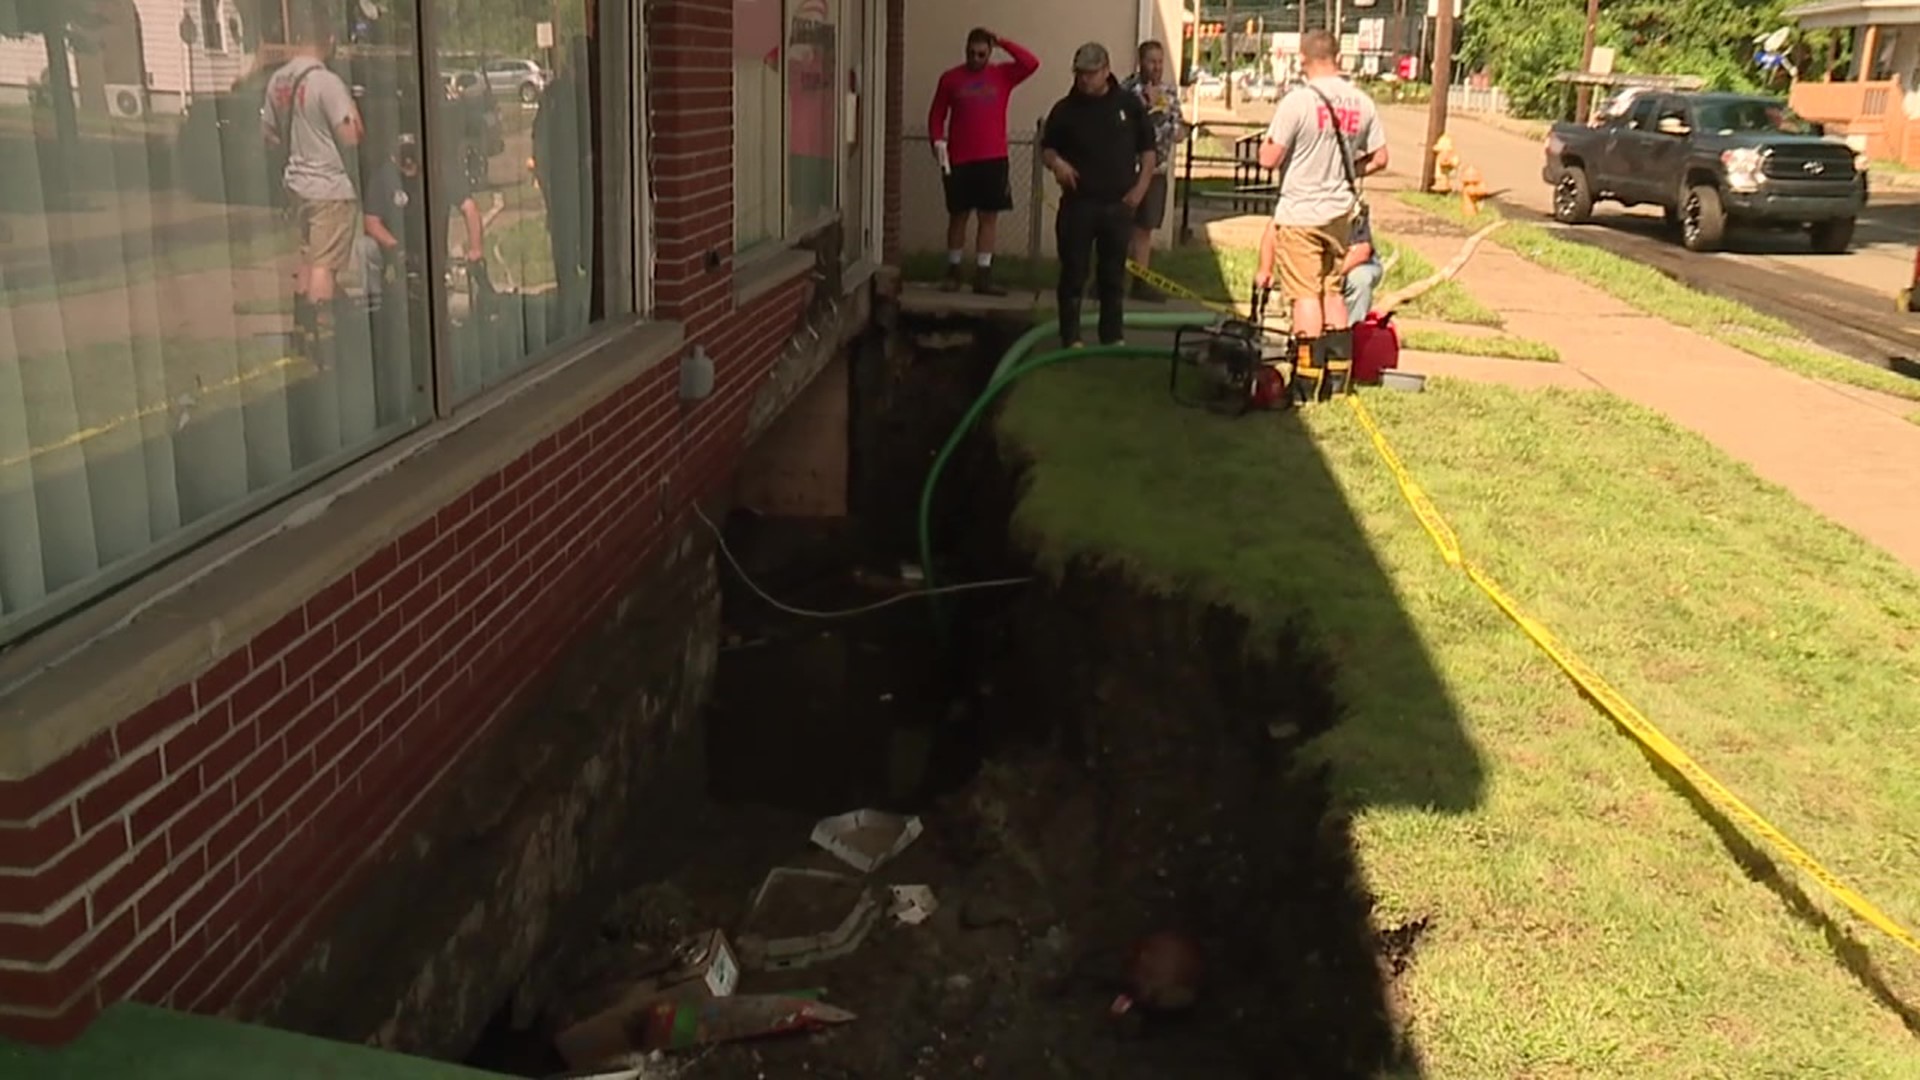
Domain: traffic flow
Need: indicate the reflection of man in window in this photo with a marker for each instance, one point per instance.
(396, 204)
(309, 114)
(563, 167)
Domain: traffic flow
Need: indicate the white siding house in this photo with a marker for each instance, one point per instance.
(153, 55)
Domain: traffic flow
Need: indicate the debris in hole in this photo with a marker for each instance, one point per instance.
(1163, 973)
(803, 917)
(982, 911)
(866, 839)
(652, 1066)
(699, 967)
(913, 904)
(676, 1025)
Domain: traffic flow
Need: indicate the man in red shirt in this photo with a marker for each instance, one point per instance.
(972, 150)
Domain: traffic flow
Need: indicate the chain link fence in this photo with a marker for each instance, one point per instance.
(1026, 230)
(1220, 155)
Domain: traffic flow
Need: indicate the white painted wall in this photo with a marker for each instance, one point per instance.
(936, 38)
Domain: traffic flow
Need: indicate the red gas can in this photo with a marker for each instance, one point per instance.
(1376, 348)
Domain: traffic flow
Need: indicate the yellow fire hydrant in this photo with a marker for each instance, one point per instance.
(1472, 190)
(1446, 161)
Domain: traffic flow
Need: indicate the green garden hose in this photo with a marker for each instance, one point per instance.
(1013, 365)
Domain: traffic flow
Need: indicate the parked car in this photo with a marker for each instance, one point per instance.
(523, 79)
(1711, 162)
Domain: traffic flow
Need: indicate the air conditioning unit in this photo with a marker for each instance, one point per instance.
(127, 101)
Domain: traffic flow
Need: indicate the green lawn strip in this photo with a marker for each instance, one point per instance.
(1647, 289)
(1225, 275)
(1587, 921)
(1500, 346)
(160, 265)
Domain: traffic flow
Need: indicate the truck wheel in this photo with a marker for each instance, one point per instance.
(1573, 197)
(1703, 220)
(1833, 237)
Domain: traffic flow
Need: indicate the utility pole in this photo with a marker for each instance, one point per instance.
(1585, 93)
(1233, 56)
(1442, 82)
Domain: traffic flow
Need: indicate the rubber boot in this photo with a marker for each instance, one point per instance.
(1308, 375)
(306, 321)
(1335, 359)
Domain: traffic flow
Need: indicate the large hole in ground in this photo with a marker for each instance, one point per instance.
(1091, 764)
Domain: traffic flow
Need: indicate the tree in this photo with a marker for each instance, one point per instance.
(1524, 43)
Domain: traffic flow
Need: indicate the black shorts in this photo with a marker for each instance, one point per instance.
(1153, 209)
(984, 186)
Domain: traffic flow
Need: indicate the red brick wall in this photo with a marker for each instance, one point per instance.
(183, 857)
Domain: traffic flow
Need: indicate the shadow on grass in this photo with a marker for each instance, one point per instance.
(1225, 650)
(1214, 275)
(1758, 865)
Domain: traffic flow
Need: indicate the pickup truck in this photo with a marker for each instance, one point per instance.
(1710, 161)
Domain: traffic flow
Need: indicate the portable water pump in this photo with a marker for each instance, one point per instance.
(1247, 360)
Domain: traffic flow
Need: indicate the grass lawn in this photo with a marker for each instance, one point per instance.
(1586, 919)
(1647, 289)
(1225, 276)
(1500, 346)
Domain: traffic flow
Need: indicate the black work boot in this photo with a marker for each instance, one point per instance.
(1147, 293)
(1335, 356)
(953, 281)
(983, 282)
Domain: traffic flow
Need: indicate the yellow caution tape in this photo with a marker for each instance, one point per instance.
(1623, 711)
(1173, 288)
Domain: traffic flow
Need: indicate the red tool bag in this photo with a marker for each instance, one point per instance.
(1376, 348)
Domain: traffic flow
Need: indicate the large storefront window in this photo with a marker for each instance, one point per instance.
(787, 83)
(520, 179)
(813, 111)
(759, 143)
(235, 255)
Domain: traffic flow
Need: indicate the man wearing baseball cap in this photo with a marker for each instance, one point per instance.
(1099, 145)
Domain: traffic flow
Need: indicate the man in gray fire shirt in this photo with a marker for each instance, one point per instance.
(309, 115)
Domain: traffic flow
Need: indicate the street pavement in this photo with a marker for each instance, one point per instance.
(1846, 302)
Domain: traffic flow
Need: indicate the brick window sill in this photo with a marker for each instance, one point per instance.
(82, 677)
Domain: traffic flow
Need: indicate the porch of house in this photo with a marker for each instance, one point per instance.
(1877, 107)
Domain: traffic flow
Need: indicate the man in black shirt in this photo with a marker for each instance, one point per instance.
(396, 207)
(1099, 145)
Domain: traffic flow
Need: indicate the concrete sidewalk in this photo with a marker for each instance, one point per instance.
(1851, 454)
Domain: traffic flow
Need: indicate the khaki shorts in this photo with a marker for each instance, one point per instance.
(1308, 258)
(327, 228)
